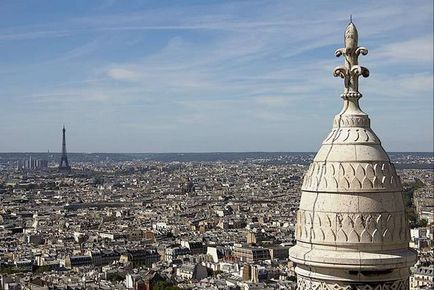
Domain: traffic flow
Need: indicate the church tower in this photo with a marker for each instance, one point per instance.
(352, 232)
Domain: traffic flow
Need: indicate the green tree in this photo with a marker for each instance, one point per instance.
(42, 269)
(115, 277)
(423, 223)
(164, 285)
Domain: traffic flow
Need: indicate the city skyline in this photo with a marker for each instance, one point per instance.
(207, 77)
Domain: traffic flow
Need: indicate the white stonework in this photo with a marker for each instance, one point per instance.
(352, 232)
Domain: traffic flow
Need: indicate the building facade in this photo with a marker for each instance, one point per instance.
(251, 254)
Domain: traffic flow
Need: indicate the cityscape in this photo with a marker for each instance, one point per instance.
(338, 212)
(197, 221)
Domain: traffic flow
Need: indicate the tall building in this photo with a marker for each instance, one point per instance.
(352, 232)
(64, 165)
(32, 164)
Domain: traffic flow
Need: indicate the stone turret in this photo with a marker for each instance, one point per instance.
(352, 232)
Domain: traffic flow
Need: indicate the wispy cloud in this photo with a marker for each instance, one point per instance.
(122, 74)
(223, 69)
(415, 50)
(273, 101)
(36, 34)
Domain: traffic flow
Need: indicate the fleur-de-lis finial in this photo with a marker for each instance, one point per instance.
(351, 71)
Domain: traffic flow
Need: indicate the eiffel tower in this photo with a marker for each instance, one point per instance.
(64, 165)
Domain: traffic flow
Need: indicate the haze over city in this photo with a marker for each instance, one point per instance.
(204, 76)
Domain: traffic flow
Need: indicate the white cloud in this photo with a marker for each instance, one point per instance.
(69, 96)
(273, 101)
(416, 50)
(410, 88)
(123, 74)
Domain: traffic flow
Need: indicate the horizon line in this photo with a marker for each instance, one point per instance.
(187, 152)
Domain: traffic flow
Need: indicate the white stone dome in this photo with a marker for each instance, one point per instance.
(352, 231)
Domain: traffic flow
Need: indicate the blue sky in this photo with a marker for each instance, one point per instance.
(201, 76)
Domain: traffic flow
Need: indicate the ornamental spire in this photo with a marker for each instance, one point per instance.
(351, 71)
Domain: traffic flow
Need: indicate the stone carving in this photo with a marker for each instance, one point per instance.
(351, 227)
(351, 211)
(351, 136)
(311, 284)
(351, 71)
(351, 121)
(351, 177)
